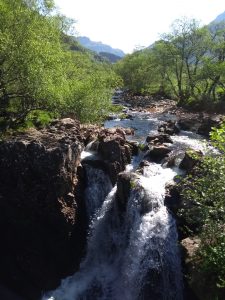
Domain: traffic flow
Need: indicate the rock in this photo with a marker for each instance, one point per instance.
(207, 124)
(201, 123)
(115, 151)
(174, 158)
(124, 186)
(173, 198)
(191, 245)
(144, 163)
(189, 123)
(134, 146)
(159, 138)
(42, 221)
(169, 127)
(190, 160)
(157, 153)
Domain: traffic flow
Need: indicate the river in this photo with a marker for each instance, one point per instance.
(134, 256)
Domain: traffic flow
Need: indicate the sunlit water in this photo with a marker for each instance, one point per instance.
(131, 254)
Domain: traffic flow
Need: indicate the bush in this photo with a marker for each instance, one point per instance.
(206, 191)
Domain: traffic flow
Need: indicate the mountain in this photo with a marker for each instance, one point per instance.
(99, 46)
(110, 56)
(220, 18)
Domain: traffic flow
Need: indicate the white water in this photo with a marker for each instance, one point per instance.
(130, 255)
(98, 187)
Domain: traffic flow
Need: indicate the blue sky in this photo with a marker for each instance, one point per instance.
(127, 24)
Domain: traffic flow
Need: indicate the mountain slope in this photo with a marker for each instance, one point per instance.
(99, 46)
(220, 18)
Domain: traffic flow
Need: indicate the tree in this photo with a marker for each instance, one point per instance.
(31, 73)
(41, 68)
(182, 52)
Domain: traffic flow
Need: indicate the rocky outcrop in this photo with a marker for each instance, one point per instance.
(124, 186)
(42, 221)
(169, 127)
(113, 151)
(200, 123)
(190, 160)
(159, 139)
(189, 123)
(157, 153)
(207, 124)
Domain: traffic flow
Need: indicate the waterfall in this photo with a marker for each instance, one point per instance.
(98, 187)
(131, 255)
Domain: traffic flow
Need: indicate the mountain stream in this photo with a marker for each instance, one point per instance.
(134, 255)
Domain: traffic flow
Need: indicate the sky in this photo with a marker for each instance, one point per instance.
(130, 24)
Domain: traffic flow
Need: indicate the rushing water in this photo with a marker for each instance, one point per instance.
(131, 254)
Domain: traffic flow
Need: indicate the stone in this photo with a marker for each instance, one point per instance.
(207, 124)
(157, 153)
(159, 138)
(124, 186)
(169, 127)
(190, 160)
(115, 151)
(189, 123)
(42, 217)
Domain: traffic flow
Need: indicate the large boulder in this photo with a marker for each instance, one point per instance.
(42, 220)
(190, 160)
(157, 153)
(115, 151)
(190, 123)
(208, 124)
(159, 139)
(169, 127)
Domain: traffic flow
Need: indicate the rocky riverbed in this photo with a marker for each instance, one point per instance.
(43, 178)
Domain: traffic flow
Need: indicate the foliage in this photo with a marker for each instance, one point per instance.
(187, 64)
(206, 192)
(42, 69)
(218, 137)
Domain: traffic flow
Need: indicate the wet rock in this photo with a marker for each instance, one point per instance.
(129, 117)
(189, 123)
(169, 161)
(174, 158)
(159, 138)
(144, 163)
(134, 146)
(169, 127)
(157, 153)
(115, 151)
(190, 160)
(207, 124)
(42, 222)
(173, 198)
(124, 185)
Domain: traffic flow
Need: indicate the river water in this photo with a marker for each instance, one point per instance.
(133, 256)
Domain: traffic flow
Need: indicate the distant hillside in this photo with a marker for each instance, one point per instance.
(99, 46)
(220, 18)
(110, 57)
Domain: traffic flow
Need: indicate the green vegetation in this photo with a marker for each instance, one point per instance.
(206, 216)
(188, 64)
(43, 69)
